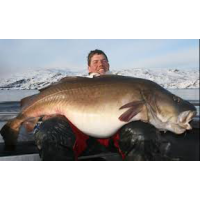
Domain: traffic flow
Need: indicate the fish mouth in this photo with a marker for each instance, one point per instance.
(183, 120)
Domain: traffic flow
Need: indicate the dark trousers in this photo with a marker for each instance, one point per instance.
(57, 139)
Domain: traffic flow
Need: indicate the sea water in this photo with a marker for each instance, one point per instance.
(187, 94)
(17, 95)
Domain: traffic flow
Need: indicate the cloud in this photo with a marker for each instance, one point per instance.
(22, 55)
(64, 65)
(182, 58)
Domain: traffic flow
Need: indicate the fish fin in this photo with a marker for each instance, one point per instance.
(46, 117)
(42, 89)
(71, 78)
(64, 80)
(132, 104)
(25, 102)
(9, 135)
(150, 98)
(30, 123)
(130, 113)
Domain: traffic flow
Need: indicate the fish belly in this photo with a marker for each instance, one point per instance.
(97, 124)
(100, 126)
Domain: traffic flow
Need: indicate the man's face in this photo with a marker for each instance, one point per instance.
(98, 64)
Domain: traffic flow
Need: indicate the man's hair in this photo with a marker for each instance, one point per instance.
(92, 53)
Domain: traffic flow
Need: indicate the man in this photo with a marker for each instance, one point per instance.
(98, 63)
(58, 139)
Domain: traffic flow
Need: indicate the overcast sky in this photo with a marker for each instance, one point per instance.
(21, 55)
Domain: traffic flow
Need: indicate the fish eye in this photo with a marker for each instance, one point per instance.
(176, 99)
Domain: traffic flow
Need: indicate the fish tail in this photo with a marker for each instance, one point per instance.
(10, 131)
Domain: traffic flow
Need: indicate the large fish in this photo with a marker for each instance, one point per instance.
(100, 106)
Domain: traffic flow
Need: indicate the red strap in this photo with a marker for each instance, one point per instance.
(115, 138)
(104, 141)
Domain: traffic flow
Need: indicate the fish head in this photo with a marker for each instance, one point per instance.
(169, 112)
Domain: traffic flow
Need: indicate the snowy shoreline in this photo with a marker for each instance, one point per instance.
(167, 78)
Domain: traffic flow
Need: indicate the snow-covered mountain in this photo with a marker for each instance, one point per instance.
(168, 78)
